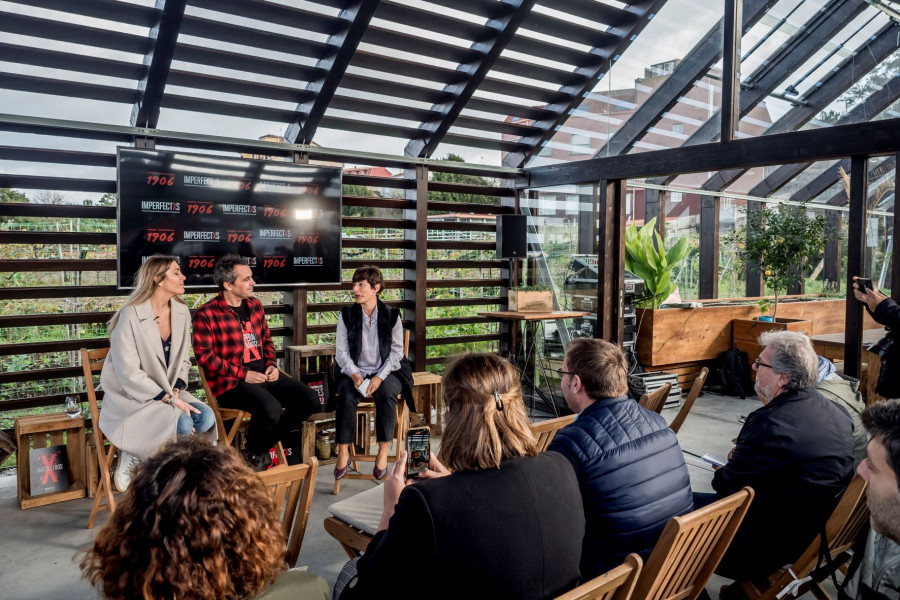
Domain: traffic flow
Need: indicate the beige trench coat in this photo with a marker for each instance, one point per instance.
(135, 372)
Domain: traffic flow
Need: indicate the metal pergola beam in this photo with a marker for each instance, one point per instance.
(164, 33)
(627, 32)
(432, 133)
(701, 57)
(787, 59)
(881, 137)
(872, 105)
(358, 15)
(856, 257)
(851, 70)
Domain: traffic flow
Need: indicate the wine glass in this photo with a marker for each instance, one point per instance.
(73, 408)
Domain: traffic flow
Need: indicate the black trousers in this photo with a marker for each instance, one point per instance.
(269, 424)
(385, 398)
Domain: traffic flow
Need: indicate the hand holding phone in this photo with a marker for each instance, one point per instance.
(864, 283)
(418, 451)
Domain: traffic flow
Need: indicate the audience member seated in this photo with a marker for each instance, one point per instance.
(878, 576)
(196, 524)
(796, 452)
(369, 349)
(843, 390)
(234, 347)
(145, 375)
(629, 465)
(498, 521)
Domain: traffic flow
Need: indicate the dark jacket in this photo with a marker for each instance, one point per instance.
(512, 532)
(887, 313)
(796, 452)
(632, 477)
(387, 319)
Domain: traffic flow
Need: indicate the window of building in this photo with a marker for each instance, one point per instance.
(572, 204)
(581, 144)
(675, 197)
(678, 128)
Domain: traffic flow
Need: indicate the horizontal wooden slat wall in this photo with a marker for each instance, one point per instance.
(58, 266)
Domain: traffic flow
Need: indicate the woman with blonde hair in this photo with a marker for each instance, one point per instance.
(146, 372)
(498, 521)
(197, 524)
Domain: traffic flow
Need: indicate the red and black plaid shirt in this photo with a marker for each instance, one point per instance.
(219, 342)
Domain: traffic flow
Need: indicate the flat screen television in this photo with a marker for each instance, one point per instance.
(284, 219)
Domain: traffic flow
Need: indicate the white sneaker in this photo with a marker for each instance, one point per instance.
(125, 470)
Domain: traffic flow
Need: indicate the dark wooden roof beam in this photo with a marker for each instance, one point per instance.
(574, 95)
(164, 33)
(275, 13)
(49, 29)
(54, 59)
(218, 30)
(67, 157)
(427, 48)
(436, 22)
(343, 46)
(110, 10)
(229, 85)
(393, 89)
(59, 87)
(879, 47)
(431, 134)
(863, 111)
(470, 141)
(224, 59)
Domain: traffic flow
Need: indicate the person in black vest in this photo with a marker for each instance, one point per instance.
(370, 357)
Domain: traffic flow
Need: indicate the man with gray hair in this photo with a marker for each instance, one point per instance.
(796, 452)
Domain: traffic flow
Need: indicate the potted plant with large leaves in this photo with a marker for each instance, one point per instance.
(646, 257)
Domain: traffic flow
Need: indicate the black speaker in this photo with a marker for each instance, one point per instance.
(511, 236)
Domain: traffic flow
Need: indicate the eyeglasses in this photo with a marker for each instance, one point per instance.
(561, 373)
(759, 364)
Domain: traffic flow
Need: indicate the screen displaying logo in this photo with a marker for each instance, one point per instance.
(192, 235)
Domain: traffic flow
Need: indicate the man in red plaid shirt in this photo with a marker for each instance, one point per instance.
(234, 348)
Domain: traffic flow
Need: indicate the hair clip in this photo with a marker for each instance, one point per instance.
(498, 400)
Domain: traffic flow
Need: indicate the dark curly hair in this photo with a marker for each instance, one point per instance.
(196, 523)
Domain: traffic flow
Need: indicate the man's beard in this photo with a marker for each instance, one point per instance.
(761, 392)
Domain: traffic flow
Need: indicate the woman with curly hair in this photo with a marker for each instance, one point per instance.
(196, 524)
(506, 523)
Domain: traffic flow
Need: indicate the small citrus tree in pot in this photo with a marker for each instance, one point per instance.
(780, 243)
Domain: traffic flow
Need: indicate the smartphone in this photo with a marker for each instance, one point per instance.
(713, 460)
(418, 451)
(864, 282)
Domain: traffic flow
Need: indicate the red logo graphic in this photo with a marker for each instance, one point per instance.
(160, 179)
(200, 208)
(49, 471)
(160, 235)
(312, 238)
(201, 262)
(238, 236)
(274, 262)
(274, 211)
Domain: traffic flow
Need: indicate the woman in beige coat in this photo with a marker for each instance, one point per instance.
(145, 375)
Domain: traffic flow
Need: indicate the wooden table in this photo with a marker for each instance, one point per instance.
(531, 321)
(831, 346)
(355, 521)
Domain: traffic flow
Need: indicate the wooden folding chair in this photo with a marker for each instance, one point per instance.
(678, 421)
(365, 415)
(92, 362)
(292, 489)
(227, 414)
(615, 584)
(545, 431)
(656, 399)
(690, 548)
(849, 518)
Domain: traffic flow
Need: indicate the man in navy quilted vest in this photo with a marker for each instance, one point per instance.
(629, 465)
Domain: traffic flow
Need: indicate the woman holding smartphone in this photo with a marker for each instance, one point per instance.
(146, 372)
(498, 521)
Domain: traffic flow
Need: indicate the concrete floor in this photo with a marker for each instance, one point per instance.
(38, 548)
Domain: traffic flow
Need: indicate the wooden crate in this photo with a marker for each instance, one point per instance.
(746, 332)
(530, 301)
(41, 431)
